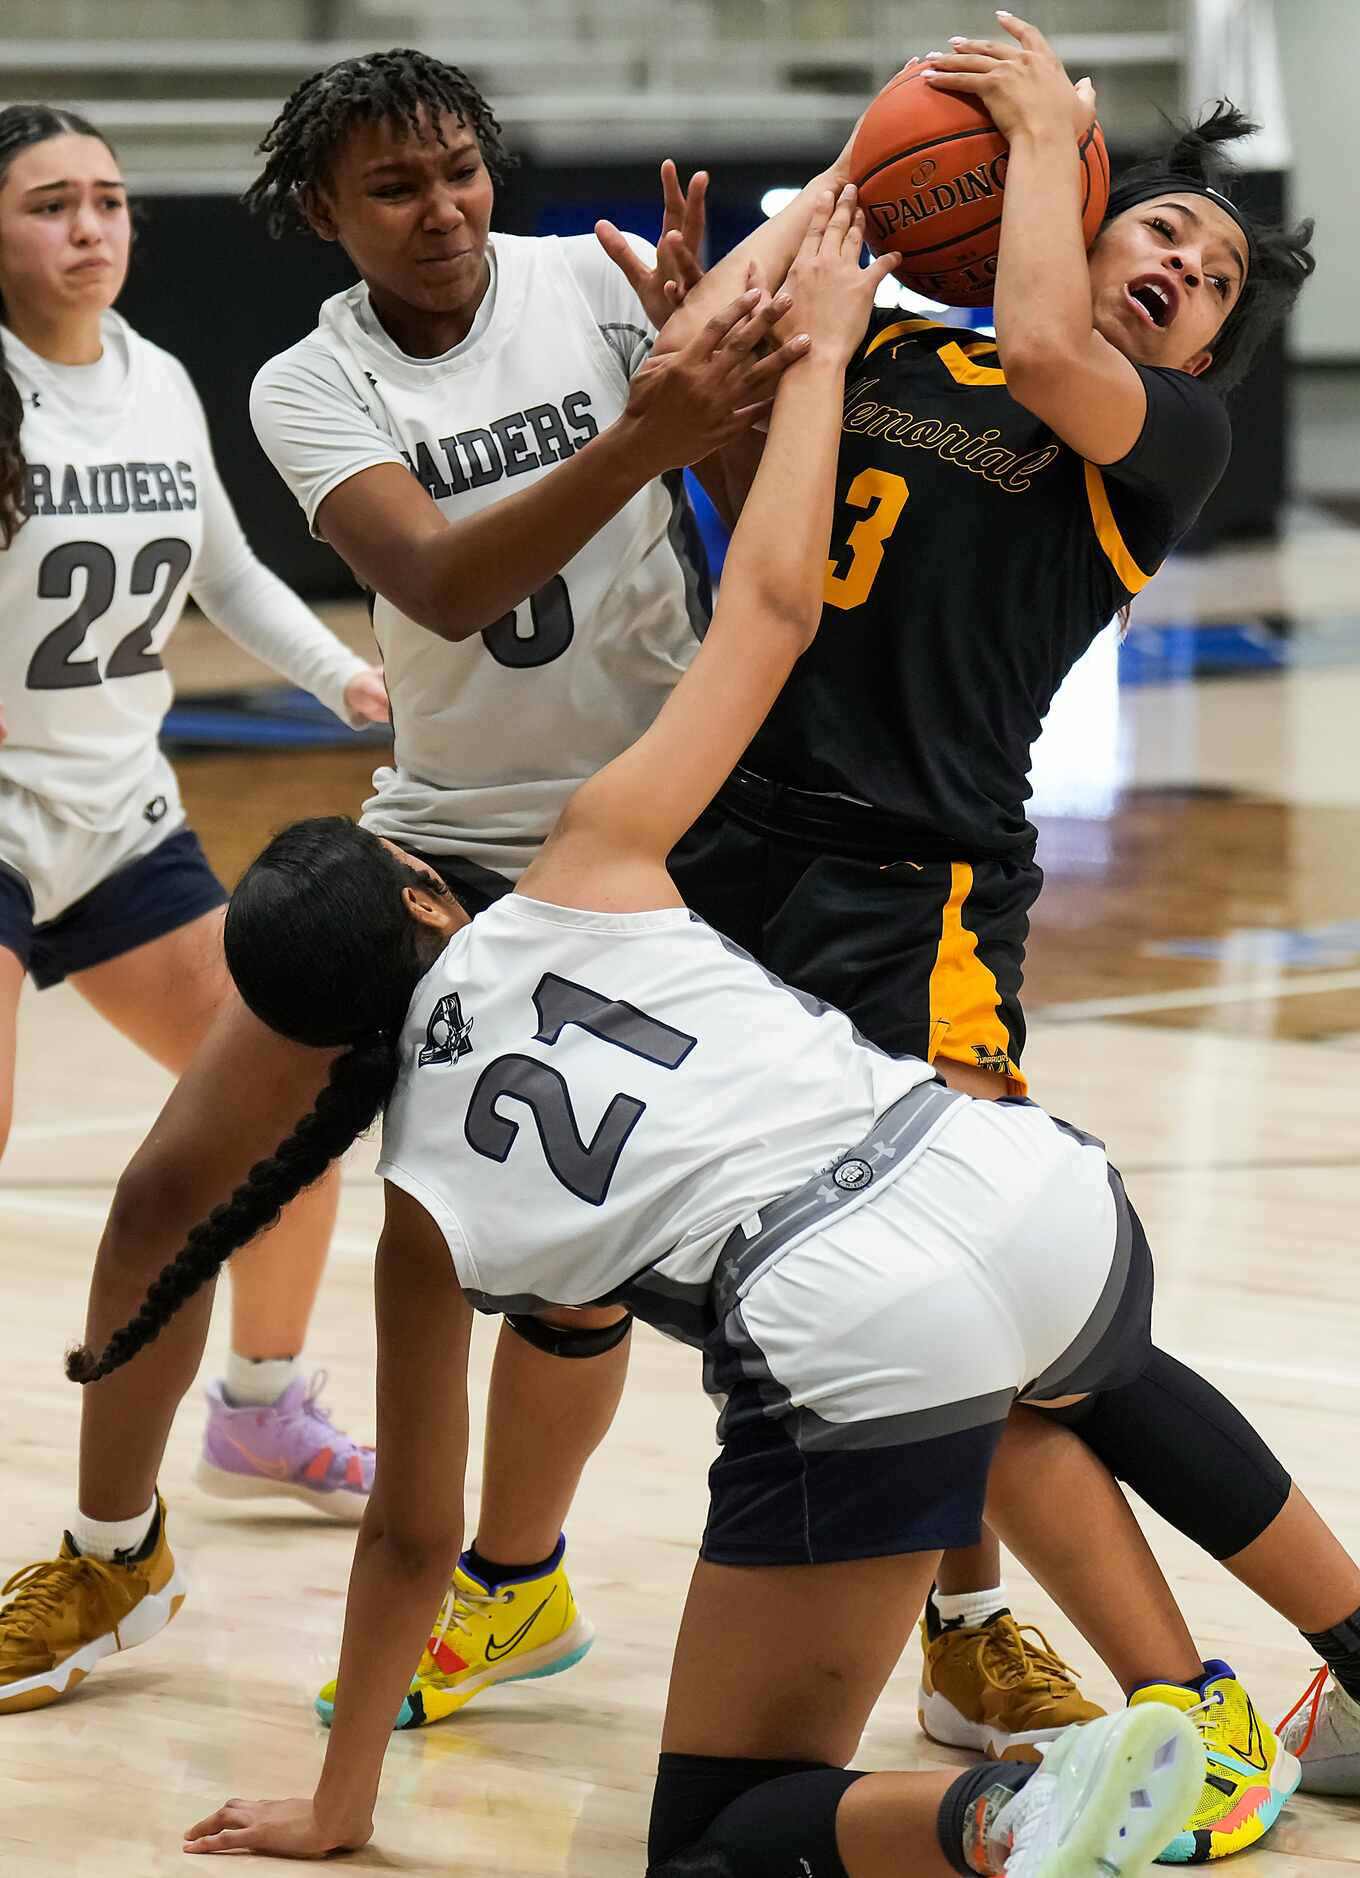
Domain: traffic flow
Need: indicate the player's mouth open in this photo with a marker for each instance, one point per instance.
(1155, 297)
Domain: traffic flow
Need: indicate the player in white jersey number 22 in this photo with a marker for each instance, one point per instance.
(111, 514)
(876, 1271)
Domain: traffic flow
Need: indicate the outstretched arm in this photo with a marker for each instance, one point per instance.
(611, 844)
(409, 1539)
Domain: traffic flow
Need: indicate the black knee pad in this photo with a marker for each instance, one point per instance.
(1187, 1452)
(559, 1341)
(717, 1817)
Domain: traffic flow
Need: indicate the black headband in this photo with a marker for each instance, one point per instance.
(1170, 184)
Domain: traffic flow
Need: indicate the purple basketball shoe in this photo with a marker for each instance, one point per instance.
(288, 1448)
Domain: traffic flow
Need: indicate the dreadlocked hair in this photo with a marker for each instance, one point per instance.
(408, 90)
(22, 126)
(1279, 258)
(324, 952)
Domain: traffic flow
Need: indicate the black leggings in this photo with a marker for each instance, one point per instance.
(1187, 1452)
(713, 1817)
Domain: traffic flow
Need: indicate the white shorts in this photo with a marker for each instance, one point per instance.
(868, 1360)
(61, 861)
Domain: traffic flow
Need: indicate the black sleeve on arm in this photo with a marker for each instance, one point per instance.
(1158, 489)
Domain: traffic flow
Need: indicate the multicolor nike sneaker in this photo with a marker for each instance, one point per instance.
(1104, 1799)
(524, 1629)
(69, 1612)
(1248, 1775)
(289, 1448)
(997, 1687)
(1322, 1732)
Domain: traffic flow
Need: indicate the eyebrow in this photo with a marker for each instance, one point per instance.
(1180, 208)
(452, 150)
(69, 183)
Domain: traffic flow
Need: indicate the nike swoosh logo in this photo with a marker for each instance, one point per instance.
(277, 1470)
(496, 1650)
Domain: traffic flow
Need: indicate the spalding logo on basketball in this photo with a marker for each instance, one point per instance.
(930, 167)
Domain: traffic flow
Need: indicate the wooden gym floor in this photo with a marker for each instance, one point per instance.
(1194, 995)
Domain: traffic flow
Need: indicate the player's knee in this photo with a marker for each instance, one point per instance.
(134, 1233)
(591, 1330)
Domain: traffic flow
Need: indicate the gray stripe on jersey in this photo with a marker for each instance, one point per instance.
(896, 1132)
(1111, 1296)
(672, 1306)
(811, 1431)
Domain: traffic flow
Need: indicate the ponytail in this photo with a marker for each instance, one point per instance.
(11, 452)
(359, 1085)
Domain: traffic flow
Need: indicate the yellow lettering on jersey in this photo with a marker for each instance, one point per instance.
(962, 369)
(1108, 535)
(885, 496)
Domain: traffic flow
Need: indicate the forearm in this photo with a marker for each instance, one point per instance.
(393, 1598)
(466, 575)
(777, 561)
(1043, 291)
(266, 618)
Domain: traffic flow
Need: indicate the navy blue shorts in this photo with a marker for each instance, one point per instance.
(153, 895)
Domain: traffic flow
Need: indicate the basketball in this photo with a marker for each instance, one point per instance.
(930, 168)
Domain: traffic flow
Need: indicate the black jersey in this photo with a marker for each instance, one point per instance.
(974, 557)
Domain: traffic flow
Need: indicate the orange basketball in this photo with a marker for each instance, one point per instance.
(930, 167)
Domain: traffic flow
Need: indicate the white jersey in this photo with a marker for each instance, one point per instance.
(125, 517)
(586, 1097)
(492, 734)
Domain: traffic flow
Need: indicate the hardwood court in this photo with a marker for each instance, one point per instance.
(1193, 1002)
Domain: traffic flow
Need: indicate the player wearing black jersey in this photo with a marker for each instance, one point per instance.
(997, 504)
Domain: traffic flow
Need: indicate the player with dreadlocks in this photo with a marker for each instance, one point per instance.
(477, 428)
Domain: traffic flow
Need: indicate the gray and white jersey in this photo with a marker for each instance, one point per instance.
(585, 1097)
(494, 733)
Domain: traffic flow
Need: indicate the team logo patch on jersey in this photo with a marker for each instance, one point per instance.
(851, 1175)
(155, 809)
(446, 1034)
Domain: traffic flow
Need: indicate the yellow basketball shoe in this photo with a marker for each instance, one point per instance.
(997, 1687)
(1248, 1775)
(69, 1612)
(523, 1629)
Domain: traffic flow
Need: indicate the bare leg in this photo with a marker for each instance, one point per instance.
(241, 1094)
(1079, 1538)
(546, 1415)
(1300, 1568)
(738, 1690)
(975, 1567)
(11, 985)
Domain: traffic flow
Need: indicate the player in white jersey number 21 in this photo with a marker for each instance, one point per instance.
(876, 1271)
(111, 514)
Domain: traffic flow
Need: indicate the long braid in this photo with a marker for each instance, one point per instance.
(404, 88)
(360, 1082)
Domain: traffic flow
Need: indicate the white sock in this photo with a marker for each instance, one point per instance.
(255, 1382)
(972, 1608)
(101, 1538)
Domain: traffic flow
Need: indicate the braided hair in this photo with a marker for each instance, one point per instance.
(1280, 261)
(22, 126)
(323, 951)
(408, 90)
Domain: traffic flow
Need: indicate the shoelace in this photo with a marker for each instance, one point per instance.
(459, 1606)
(41, 1590)
(312, 1407)
(1313, 1694)
(1197, 1714)
(1007, 1661)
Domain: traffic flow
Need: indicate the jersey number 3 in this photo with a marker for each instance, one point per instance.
(52, 668)
(884, 496)
(584, 1168)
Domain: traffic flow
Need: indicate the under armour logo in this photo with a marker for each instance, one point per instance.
(371, 379)
(37, 400)
(446, 1034)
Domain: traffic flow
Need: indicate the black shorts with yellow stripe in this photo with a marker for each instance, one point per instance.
(926, 957)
